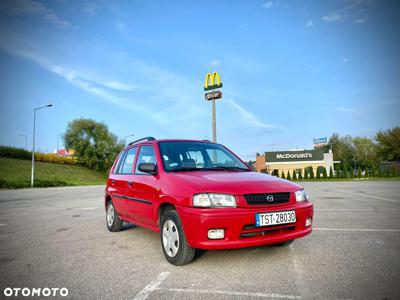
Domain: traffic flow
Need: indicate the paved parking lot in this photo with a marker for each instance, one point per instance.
(57, 237)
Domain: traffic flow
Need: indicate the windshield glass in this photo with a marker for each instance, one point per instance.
(180, 156)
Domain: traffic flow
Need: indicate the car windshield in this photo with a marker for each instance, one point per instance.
(198, 156)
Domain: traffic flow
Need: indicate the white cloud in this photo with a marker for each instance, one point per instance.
(214, 63)
(352, 10)
(309, 23)
(268, 4)
(249, 118)
(90, 8)
(31, 7)
(333, 16)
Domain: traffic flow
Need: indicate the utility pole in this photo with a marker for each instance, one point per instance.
(213, 95)
(33, 142)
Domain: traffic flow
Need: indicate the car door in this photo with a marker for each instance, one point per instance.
(117, 185)
(141, 189)
(121, 182)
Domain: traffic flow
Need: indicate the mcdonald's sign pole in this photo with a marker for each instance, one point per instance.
(211, 85)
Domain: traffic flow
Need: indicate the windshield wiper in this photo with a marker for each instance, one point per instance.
(186, 169)
(230, 168)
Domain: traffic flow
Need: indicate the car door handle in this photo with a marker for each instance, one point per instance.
(130, 183)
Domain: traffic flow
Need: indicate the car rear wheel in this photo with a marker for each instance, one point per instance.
(173, 240)
(113, 221)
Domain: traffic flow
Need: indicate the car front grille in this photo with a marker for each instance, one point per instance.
(272, 198)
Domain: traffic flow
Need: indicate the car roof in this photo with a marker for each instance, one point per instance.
(154, 141)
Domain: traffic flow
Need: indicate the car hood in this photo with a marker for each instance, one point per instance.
(238, 183)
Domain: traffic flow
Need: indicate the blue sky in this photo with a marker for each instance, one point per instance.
(292, 70)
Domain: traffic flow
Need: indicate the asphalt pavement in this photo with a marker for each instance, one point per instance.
(57, 237)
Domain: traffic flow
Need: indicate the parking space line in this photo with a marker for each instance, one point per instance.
(234, 293)
(3, 224)
(367, 196)
(356, 229)
(152, 286)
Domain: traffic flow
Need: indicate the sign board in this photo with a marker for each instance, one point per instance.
(323, 140)
(292, 156)
(212, 81)
(213, 95)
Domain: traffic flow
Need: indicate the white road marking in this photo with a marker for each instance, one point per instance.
(234, 293)
(366, 196)
(356, 229)
(88, 208)
(152, 286)
(3, 224)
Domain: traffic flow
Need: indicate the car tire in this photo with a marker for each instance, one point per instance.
(173, 240)
(284, 244)
(113, 221)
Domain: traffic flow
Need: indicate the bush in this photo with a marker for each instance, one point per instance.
(305, 174)
(288, 176)
(283, 175)
(311, 172)
(300, 176)
(330, 172)
(294, 176)
(18, 153)
(393, 169)
(324, 173)
(318, 174)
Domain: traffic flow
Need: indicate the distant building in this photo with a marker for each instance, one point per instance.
(276, 162)
(65, 152)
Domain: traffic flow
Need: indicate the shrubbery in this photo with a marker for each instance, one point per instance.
(18, 153)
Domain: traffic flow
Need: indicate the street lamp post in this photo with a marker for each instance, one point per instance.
(124, 138)
(26, 140)
(33, 142)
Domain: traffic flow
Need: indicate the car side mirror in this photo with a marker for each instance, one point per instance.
(148, 168)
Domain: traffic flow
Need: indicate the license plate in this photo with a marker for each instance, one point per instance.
(275, 218)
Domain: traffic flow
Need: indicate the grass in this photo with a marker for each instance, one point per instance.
(16, 173)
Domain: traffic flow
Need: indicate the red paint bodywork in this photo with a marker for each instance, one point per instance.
(178, 188)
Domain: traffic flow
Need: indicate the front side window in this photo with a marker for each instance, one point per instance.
(180, 156)
(146, 155)
(128, 163)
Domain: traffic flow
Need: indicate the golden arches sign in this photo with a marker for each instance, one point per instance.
(210, 84)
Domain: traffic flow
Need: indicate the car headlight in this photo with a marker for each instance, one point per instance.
(301, 196)
(214, 200)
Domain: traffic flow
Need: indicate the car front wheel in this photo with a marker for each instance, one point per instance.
(173, 240)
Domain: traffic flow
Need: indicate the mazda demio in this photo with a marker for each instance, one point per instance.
(200, 195)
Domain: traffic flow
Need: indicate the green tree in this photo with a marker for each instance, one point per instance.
(95, 146)
(365, 152)
(288, 175)
(330, 172)
(311, 171)
(379, 171)
(388, 144)
(393, 169)
(283, 175)
(305, 174)
(351, 172)
(318, 174)
(324, 173)
(343, 148)
(294, 176)
(359, 173)
(300, 175)
(373, 172)
(387, 172)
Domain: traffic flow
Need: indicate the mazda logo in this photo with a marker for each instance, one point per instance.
(270, 198)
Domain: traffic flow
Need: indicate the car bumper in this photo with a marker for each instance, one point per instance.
(238, 224)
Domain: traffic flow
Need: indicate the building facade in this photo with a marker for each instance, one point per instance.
(275, 163)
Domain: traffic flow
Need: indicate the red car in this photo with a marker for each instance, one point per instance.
(200, 195)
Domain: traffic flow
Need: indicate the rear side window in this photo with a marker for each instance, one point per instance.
(146, 155)
(119, 162)
(128, 162)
